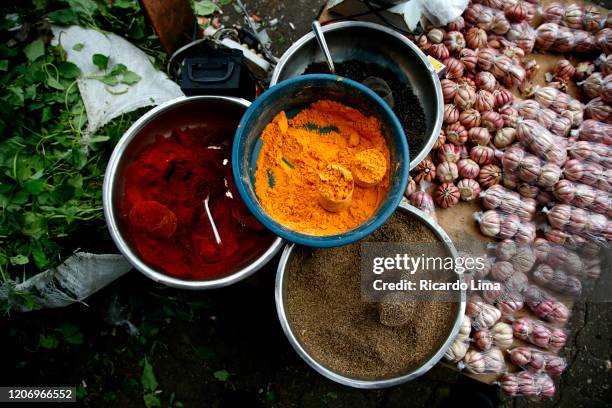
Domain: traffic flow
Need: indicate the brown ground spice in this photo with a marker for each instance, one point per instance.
(326, 313)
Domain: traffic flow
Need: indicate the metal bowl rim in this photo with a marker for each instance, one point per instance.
(279, 297)
(321, 241)
(421, 56)
(111, 221)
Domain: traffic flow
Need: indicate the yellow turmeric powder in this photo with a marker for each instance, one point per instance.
(293, 156)
(369, 167)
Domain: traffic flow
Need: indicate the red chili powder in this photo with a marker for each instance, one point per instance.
(165, 216)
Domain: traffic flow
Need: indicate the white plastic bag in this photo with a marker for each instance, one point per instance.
(80, 276)
(101, 105)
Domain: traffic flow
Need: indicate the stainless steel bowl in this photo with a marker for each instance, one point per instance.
(353, 40)
(280, 295)
(220, 114)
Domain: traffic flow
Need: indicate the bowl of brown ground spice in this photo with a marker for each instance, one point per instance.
(341, 336)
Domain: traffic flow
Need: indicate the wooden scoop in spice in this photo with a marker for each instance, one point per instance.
(335, 187)
(369, 167)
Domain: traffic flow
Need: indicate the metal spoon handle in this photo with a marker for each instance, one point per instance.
(318, 32)
(212, 222)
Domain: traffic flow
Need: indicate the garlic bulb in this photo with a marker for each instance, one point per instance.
(487, 317)
(502, 335)
(465, 329)
(456, 351)
(524, 259)
(476, 362)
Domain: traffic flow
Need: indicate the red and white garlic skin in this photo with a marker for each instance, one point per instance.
(536, 361)
(539, 334)
(545, 306)
(477, 362)
(446, 195)
(469, 189)
(527, 384)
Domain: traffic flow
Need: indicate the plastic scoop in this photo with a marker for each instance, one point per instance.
(381, 87)
(335, 187)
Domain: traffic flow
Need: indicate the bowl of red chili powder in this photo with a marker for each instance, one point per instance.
(170, 199)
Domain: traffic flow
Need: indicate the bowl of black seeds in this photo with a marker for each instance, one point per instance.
(385, 61)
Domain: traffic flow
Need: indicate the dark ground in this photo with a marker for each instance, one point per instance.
(225, 348)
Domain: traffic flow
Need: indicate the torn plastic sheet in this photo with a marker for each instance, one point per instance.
(101, 105)
(80, 276)
(438, 12)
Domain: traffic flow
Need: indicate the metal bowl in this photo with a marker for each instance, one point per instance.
(280, 295)
(292, 96)
(353, 40)
(218, 113)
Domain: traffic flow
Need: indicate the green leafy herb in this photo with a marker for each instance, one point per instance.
(48, 342)
(51, 170)
(100, 61)
(68, 70)
(148, 380)
(71, 333)
(151, 400)
(204, 7)
(221, 375)
(34, 50)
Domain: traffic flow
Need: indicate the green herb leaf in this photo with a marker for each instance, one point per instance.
(16, 96)
(221, 375)
(54, 83)
(47, 114)
(69, 70)
(4, 65)
(100, 61)
(34, 186)
(64, 17)
(40, 258)
(19, 260)
(71, 333)
(130, 78)
(81, 392)
(148, 380)
(34, 50)
(78, 46)
(225, 2)
(118, 69)
(204, 7)
(151, 400)
(83, 7)
(49, 342)
(40, 4)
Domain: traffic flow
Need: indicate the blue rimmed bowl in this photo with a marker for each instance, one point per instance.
(298, 93)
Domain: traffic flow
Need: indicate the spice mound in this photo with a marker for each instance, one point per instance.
(308, 169)
(354, 338)
(177, 192)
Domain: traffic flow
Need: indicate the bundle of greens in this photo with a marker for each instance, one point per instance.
(50, 174)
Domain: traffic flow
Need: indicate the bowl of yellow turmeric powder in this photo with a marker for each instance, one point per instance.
(320, 160)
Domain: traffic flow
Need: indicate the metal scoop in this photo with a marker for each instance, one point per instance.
(210, 218)
(318, 33)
